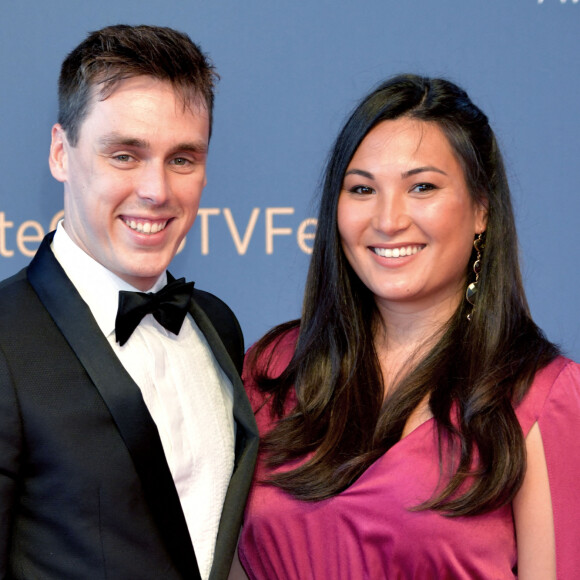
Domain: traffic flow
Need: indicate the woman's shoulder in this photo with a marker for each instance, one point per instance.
(268, 357)
(272, 353)
(553, 403)
(556, 386)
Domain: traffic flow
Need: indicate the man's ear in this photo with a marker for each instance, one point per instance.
(57, 158)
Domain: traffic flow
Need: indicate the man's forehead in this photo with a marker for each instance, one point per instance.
(185, 96)
(118, 101)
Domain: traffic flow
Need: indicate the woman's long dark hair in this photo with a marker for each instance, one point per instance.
(473, 376)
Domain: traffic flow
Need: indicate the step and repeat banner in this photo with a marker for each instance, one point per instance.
(291, 72)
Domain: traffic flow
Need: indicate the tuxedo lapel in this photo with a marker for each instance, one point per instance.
(242, 410)
(246, 450)
(122, 397)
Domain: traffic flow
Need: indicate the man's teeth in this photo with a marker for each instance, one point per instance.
(397, 252)
(146, 227)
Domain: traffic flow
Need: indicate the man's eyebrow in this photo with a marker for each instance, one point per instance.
(417, 170)
(193, 146)
(116, 140)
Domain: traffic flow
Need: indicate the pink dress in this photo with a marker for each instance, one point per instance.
(368, 532)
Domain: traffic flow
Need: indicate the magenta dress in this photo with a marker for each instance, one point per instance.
(368, 532)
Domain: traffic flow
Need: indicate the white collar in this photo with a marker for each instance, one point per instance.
(97, 286)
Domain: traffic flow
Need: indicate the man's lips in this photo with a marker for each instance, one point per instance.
(145, 226)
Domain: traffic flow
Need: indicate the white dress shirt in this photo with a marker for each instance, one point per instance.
(187, 393)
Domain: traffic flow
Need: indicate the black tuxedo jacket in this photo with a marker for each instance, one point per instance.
(85, 490)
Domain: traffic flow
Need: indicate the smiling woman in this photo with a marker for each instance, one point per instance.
(407, 220)
(406, 433)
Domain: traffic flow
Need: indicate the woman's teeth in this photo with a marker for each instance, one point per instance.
(397, 252)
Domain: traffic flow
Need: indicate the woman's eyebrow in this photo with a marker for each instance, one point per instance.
(422, 170)
(366, 174)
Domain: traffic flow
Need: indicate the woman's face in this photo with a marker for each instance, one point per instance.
(406, 218)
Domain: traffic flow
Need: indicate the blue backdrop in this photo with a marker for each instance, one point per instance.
(291, 71)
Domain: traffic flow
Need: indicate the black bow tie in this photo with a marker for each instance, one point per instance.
(169, 306)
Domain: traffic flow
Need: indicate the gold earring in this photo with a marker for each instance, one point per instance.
(471, 291)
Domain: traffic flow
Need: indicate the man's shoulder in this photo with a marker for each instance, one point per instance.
(212, 305)
(19, 307)
(14, 290)
(12, 282)
(224, 321)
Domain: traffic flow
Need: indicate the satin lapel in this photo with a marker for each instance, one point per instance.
(243, 413)
(246, 451)
(122, 397)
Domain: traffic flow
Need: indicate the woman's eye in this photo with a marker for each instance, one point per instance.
(362, 189)
(423, 187)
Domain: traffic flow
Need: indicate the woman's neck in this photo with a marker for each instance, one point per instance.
(406, 333)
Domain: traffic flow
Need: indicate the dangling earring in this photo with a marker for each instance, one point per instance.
(471, 291)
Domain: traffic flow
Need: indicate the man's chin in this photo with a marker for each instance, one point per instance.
(143, 278)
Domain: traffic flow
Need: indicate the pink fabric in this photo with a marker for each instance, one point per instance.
(368, 532)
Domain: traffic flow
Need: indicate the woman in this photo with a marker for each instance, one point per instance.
(408, 432)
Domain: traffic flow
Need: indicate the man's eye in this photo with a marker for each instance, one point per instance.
(123, 157)
(180, 161)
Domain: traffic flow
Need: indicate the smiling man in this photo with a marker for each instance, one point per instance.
(126, 441)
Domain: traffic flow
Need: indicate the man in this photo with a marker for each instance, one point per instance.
(126, 448)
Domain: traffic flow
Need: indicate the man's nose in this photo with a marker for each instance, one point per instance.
(153, 183)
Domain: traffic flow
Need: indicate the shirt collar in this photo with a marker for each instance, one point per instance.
(97, 286)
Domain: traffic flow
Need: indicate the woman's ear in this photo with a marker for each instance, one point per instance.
(481, 206)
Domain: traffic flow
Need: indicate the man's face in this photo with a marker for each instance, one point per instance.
(133, 182)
